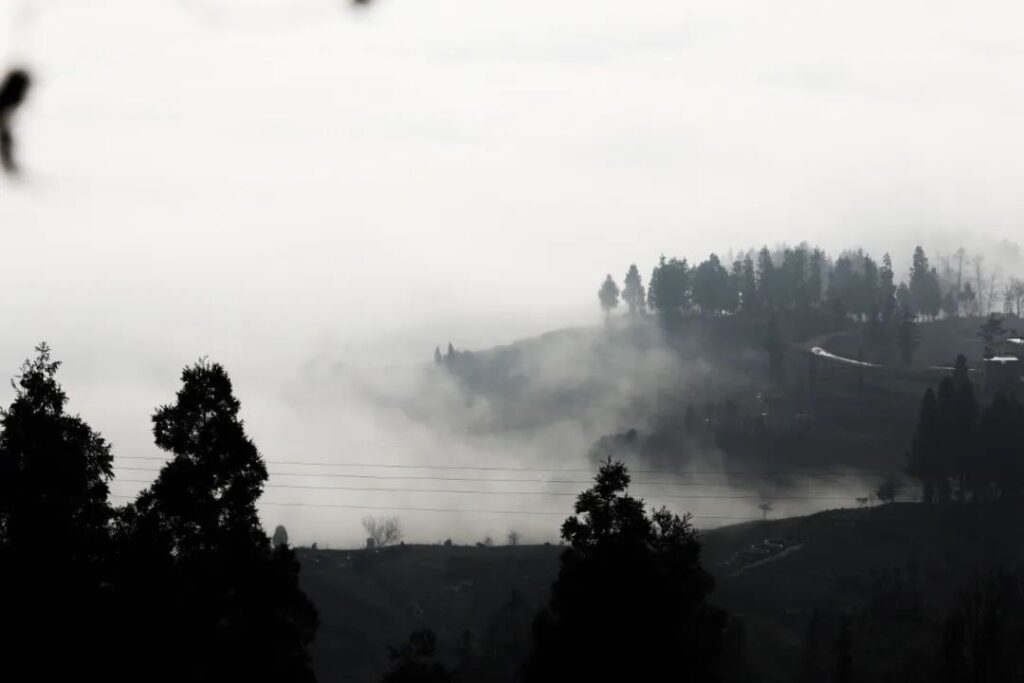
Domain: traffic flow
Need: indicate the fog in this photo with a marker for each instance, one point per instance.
(316, 197)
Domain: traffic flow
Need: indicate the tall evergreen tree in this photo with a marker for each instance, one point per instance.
(775, 347)
(629, 602)
(887, 292)
(767, 279)
(748, 295)
(711, 287)
(608, 295)
(816, 276)
(907, 337)
(923, 456)
(668, 291)
(54, 532)
(226, 605)
(633, 291)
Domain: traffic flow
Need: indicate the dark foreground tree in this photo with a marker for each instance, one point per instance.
(629, 600)
(54, 537)
(210, 599)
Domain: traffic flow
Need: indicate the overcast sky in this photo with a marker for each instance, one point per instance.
(268, 181)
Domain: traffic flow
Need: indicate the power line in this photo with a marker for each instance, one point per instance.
(445, 510)
(523, 493)
(434, 478)
(733, 473)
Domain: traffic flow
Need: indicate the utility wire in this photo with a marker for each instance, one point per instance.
(521, 493)
(736, 473)
(561, 513)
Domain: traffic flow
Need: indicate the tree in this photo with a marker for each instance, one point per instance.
(438, 358)
(907, 337)
(775, 347)
(632, 583)
(923, 456)
(513, 538)
(992, 333)
(711, 287)
(843, 667)
(415, 663)
(608, 295)
(887, 292)
(54, 535)
(633, 291)
(925, 294)
(767, 279)
(815, 276)
(206, 589)
(748, 296)
(384, 531)
(668, 292)
(888, 489)
(280, 537)
(903, 299)
(765, 508)
(1013, 298)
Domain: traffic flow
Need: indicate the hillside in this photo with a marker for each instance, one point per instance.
(912, 559)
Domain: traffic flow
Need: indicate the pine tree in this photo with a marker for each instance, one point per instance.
(923, 456)
(54, 532)
(633, 291)
(629, 583)
(608, 295)
(767, 285)
(229, 606)
(749, 301)
(711, 290)
(907, 337)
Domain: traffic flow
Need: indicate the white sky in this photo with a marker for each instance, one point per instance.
(268, 181)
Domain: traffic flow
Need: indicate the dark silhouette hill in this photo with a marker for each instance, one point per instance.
(893, 570)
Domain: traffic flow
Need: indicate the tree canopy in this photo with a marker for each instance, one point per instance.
(629, 602)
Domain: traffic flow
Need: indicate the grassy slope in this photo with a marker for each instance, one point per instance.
(370, 600)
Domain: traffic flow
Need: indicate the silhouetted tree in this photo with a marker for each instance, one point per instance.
(668, 292)
(54, 535)
(384, 531)
(768, 285)
(415, 663)
(630, 584)
(215, 593)
(992, 333)
(513, 538)
(711, 287)
(748, 295)
(904, 300)
(842, 670)
(1002, 449)
(923, 456)
(816, 276)
(775, 347)
(608, 295)
(888, 489)
(438, 358)
(633, 291)
(907, 337)
(887, 293)
(925, 293)
(280, 537)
